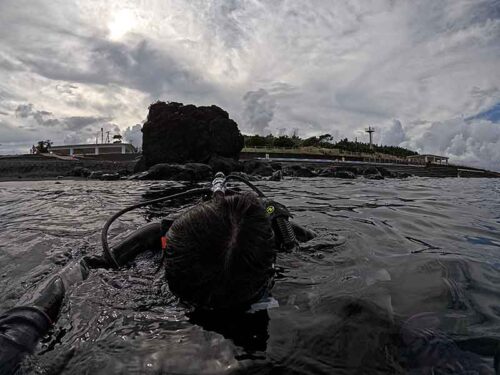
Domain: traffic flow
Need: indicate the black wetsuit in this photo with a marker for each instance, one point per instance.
(22, 327)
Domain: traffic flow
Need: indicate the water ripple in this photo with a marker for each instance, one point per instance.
(409, 246)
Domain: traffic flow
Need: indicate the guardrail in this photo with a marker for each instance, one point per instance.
(319, 151)
(335, 153)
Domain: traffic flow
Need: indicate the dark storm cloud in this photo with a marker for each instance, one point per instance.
(80, 122)
(43, 118)
(46, 119)
(139, 66)
(259, 110)
(26, 110)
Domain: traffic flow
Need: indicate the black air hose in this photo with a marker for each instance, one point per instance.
(246, 182)
(104, 234)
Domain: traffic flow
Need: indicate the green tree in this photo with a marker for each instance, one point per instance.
(310, 142)
(42, 147)
(254, 141)
(325, 138)
(284, 141)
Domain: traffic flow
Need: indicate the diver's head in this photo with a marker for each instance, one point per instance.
(220, 253)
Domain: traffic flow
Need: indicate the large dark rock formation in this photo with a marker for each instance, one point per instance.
(177, 133)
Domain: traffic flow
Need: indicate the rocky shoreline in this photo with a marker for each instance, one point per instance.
(34, 167)
(40, 167)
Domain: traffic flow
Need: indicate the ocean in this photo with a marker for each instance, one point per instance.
(419, 254)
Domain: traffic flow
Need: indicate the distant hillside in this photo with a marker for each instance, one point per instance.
(324, 141)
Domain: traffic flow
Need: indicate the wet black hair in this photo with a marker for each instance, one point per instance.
(220, 253)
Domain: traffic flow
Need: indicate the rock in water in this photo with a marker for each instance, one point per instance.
(177, 133)
(225, 165)
(177, 172)
(258, 167)
(345, 174)
(276, 176)
(299, 171)
(373, 173)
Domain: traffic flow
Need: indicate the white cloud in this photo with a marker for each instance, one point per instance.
(259, 111)
(475, 143)
(393, 135)
(133, 135)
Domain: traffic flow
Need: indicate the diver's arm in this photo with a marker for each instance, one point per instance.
(20, 330)
(302, 234)
(24, 325)
(147, 237)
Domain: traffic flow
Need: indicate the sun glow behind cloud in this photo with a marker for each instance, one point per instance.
(121, 23)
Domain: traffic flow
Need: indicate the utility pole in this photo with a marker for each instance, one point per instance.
(102, 135)
(370, 131)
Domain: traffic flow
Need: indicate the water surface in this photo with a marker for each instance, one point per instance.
(410, 246)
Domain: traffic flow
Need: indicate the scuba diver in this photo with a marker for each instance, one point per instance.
(219, 259)
(219, 256)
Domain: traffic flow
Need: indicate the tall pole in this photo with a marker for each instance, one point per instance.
(102, 135)
(370, 131)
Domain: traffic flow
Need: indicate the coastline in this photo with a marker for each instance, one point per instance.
(37, 167)
(41, 168)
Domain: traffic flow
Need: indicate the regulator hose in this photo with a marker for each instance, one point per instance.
(246, 182)
(218, 184)
(104, 234)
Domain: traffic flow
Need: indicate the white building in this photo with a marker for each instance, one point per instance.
(427, 158)
(93, 149)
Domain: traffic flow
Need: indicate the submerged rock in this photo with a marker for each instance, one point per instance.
(176, 172)
(110, 177)
(299, 171)
(258, 167)
(95, 175)
(344, 174)
(276, 176)
(403, 175)
(327, 172)
(224, 165)
(336, 172)
(372, 173)
(80, 172)
(138, 176)
(386, 173)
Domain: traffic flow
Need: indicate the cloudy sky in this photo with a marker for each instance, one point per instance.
(425, 74)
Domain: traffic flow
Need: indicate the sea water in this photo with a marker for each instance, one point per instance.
(401, 249)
